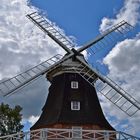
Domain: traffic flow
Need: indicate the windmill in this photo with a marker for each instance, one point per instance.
(72, 99)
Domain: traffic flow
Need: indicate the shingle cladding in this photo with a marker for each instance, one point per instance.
(57, 108)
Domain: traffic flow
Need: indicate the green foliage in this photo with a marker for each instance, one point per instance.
(10, 119)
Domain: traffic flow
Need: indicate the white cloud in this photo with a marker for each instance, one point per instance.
(129, 12)
(123, 65)
(23, 45)
(20, 42)
(33, 119)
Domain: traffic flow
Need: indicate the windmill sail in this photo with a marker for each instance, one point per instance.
(117, 33)
(9, 86)
(46, 26)
(109, 89)
(108, 36)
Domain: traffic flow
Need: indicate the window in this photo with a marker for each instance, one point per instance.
(75, 105)
(77, 132)
(74, 84)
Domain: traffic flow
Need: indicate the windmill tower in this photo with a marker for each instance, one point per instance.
(72, 101)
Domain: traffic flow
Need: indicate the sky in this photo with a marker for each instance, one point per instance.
(23, 45)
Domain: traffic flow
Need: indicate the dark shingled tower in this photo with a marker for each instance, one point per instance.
(71, 101)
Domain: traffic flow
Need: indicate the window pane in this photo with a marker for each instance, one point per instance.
(74, 84)
(75, 105)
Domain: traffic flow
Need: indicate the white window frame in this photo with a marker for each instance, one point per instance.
(75, 105)
(77, 132)
(74, 84)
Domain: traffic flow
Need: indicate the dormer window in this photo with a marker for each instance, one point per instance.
(74, 84)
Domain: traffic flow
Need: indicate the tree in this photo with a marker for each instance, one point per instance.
(10, 119)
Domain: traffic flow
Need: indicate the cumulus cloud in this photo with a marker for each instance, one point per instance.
(129, 12)
(23, 45)
(20, 40)
(123, 65)
(33, 119)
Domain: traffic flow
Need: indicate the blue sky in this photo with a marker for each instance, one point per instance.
(79, 18)
(25, 46)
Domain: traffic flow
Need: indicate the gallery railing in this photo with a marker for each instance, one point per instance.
(69, 134)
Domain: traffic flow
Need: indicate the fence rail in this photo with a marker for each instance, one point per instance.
(69, 134)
